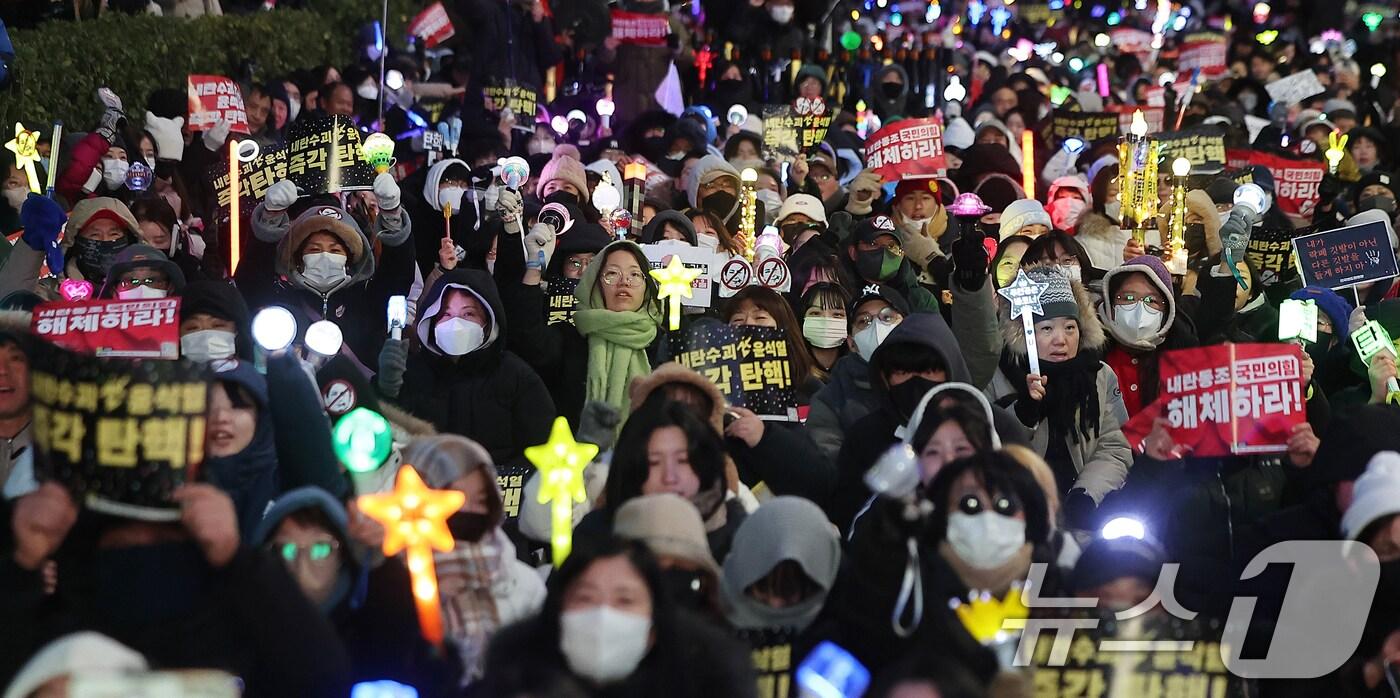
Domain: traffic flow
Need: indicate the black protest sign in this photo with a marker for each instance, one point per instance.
(511, 480)
(1158, 657)
(750, 365)
(560, 303)
(322, 155)
(120, 434)
(787, 132)
(520, 100)
(1356, 254)
(1270, 252)
(1203, 147)
(1088, 126)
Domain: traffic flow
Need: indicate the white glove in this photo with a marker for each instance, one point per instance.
(540, 239)
(109, 99)
(93, 180)
(217, 137)
(281, 195)
(387, 191)
(510, 207)
(1358, 319)
(170, 144)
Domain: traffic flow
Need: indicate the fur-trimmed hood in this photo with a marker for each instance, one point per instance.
(1155, 275)
(671, 372)
(1091, 329)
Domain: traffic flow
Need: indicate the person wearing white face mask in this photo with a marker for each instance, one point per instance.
(141, 272)
(214, 322)
(1139, 312)
(616, 632)
(448, 183)
(326, 265)
(461, 377)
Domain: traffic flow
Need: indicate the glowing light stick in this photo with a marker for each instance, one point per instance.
(1336, 150)
(1028, 162)
(53, 157)
(748, 199)
(378, 150)
(398, 315)
(1297, 321)
(1102, 72)
(238, 151)
(274, 328)
(25, 147)
(1137, 176)
(984, 615)
(362, 440)
(1176, 229)
(674, 281)
(415, 519)
(560, 463)
(1370, 340)
(514, 172)
(1024, 295)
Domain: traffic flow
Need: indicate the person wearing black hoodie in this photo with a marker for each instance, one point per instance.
(214, 322)
(462, 378)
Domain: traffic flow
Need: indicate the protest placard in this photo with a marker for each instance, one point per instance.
(121, 435)
(641, 28)
(432, 25)
(322, 156)
(1227, 399)
(702, 288)
(1294, 88)
(560, 303)
(1099, 664)
(511, 479)
(1089, 126)
(906, 147)
(750, 365)
(787, 132)
(1270, 253)
(771, 649)
(215, 99)
(523, 101)
(1205, 51)
(146, 329)
(1203, 146)
(1297, 182)
(1344, 257)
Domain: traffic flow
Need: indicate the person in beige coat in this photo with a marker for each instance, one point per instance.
(1074, 404)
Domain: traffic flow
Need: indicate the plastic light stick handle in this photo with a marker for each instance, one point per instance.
(1032, 354)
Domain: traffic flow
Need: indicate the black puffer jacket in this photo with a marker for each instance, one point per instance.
(489, 395)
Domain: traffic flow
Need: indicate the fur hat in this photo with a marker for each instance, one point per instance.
(565, 168)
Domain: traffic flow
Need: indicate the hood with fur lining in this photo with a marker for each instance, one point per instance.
(1105, 309)
(1091, 329)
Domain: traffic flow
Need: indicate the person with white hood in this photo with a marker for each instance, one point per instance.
(52, 669)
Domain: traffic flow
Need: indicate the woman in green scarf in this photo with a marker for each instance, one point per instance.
(619, 316)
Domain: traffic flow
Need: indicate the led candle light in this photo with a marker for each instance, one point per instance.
(1137, 178)
(1176, 230)
(560, 463)
(1028, 162)
(379, 151)
(415, 520)
(25, 147)
(674, 281)
(748, 199)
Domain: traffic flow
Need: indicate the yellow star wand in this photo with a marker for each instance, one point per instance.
(674, 280)
(415, 518)
(25, 146)
(561, 462)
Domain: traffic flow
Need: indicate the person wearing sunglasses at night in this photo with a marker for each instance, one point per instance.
(141, 272)
(367, 602)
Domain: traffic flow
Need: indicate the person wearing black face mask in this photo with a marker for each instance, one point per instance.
(563, 180)
(889, 93)
(919, 354)
(671, 527)
(105, 227)
(482, 584)
(713, 185)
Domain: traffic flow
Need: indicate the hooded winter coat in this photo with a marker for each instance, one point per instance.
(250, 477)
(781, 529)
(370, 607)
(488, 394)
(1101, 459)
(889, 104)
(1134, 361)
(425, 208)
(884, 424)
(269, 272)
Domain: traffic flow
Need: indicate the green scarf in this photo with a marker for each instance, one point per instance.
(617, 340)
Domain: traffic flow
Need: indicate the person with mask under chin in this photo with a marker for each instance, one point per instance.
(483, 586)
(462, 378)
(367, 599)
(608, 628)
(918, 355)
(325, 265)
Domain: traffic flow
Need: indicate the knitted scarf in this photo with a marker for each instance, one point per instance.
(617, 340)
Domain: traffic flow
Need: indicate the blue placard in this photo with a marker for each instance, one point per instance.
(1346, 257)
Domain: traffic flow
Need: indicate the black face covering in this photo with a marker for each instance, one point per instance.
(1384, 203)
(1195, 238)
(468, 526)
(95, 257)
(892, 90)
(149, 584)
(654, 148)
(685, 588)
(720, 203)
(563, 197)
(906, 395)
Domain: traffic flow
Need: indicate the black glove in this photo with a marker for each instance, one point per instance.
(598, 424)
(1328, 190)
(970, 259)
(1079, 510)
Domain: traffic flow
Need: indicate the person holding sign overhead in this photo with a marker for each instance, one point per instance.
(1073, 405)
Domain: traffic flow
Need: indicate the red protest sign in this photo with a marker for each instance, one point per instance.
(145, 329)
(1296, 182)
(1227, 399)
(213, 99)
(432, 25)
(1204, 51)
(906, 147)
(640, 28)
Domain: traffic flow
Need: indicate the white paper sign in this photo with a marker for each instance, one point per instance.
(1294, 88)
(702, 289)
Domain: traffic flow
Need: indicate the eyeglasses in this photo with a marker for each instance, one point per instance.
(152, 281)
(315, 552)
(1150, 300)
(613, 277)
(886, 316)
(972, 505)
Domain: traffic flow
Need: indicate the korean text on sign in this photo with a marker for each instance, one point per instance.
(750, 365)
(1233, 398)
(214, 99)
(147, 329)
(1347, 256)
(906, 147)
